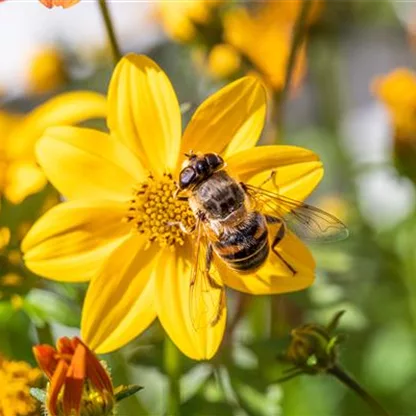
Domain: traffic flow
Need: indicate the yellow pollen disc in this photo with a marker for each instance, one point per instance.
(155, 212)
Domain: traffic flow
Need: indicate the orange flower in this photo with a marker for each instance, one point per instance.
(63, 3)
(77, 379)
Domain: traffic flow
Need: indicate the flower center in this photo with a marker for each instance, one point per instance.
(155, 212)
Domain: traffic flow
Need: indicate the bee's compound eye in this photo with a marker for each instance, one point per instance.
(214, 161)
(186, 177)
(202, 167)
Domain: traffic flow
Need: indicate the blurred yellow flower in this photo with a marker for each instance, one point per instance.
(223, 61)
(116, 228)
(334, 204)
(264, 36)
(181, 18)
(63, 3)
(20, 175)
(46, 71)
(16, 378)
(397, 90)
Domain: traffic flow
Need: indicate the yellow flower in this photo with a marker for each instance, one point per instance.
(16, 378)
(120, 189)
(223, 61)
(20, 175)
(264, 37)
(397, 90)
(285, 12)
(180, 18)
(47, 71)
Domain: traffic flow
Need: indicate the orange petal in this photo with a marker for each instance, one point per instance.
(46, 358)
(95, 371)
(55, 387)
(64, 345)
(63, 3)
(74, 381)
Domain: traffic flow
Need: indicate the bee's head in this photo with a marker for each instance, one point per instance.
(197, 168)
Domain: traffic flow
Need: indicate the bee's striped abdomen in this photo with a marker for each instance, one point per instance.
(246, 248)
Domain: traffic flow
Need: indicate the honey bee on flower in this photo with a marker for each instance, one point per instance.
(242, 225)
(125, 228)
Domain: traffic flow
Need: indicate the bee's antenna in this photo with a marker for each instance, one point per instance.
(189, 154)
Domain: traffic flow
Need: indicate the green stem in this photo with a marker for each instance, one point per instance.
(352, 384)
(299, 32)
(110, 30)
(173, 370)
(44, 334)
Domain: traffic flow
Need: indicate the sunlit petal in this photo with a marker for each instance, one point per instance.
(298, 170)
(23, 179)
(119, 303)
(85, 163)
(173, 307)
(144, 112)
(65, 109)
(275, 277)
(228, 121)
(73, 239)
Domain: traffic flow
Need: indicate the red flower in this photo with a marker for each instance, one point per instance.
(71, 368)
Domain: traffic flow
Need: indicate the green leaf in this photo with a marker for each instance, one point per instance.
(44, 306)
(122, 392)
(333, 325)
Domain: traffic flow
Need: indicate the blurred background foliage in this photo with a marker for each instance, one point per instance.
(346, 101)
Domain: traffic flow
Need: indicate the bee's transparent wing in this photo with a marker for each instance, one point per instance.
(306, 221)
(206, 290)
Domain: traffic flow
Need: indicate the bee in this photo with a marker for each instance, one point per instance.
(233, 222)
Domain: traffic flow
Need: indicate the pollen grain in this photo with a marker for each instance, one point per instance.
(156, 212)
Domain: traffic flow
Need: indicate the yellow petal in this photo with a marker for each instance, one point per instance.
(23, 179)
(298, 170)
(144, 112)
(228, 121)
(73, 239)
(275, 277)
(65, 109)
(120, 300)
(173, 308)
(85, 163)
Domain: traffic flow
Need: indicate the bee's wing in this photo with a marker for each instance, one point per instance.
(306, 221)
(206, 291)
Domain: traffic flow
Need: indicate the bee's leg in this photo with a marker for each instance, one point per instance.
(278, 238)
(214, 285)
(271, 177)
(179, 197)
(183, 228)
(208, 262)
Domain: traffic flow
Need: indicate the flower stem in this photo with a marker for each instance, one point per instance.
(44, 334)
(352, 384)
(173, 369)
(110, 30)
(299, 32)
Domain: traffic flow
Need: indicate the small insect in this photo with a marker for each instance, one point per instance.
(233, 220)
